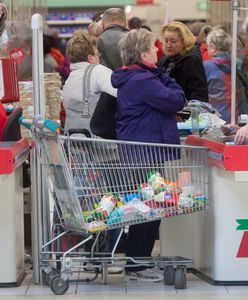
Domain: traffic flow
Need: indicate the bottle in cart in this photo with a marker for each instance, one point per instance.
(195, 120)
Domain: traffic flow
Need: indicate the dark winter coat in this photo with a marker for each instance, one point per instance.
(147, 102)
(189, 73)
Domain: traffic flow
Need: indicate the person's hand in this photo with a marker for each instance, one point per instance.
(179, 119)
(241, 136)
(229, 129)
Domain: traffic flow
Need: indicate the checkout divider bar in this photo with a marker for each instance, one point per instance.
(221, 155)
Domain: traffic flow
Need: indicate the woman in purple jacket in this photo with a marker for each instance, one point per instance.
(147, 103)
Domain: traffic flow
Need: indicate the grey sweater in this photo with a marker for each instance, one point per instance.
(108, 46)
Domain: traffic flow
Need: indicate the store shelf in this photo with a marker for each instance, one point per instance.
(69, 22)
(88, 3)
(68, 16)
(65, 35)
(66, 21)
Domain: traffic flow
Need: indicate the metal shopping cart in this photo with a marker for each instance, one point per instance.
(99, 185)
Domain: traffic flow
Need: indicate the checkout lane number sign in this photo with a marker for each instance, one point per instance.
(243, 247)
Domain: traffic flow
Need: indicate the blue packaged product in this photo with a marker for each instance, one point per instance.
(115, 216)
(131, 197)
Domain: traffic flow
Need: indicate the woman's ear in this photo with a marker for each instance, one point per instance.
(211, 50)
(143, 56)
(90, 58)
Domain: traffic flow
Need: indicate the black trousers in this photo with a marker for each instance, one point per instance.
(141, 239)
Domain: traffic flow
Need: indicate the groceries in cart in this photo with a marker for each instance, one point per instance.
(106, 184)
(155, 199)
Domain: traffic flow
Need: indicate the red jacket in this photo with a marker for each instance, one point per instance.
(160, 52)
(204, 51)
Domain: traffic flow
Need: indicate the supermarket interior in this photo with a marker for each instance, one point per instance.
(153, 207)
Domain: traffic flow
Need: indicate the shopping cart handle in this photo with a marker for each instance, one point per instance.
(38, 122)
(79, 131)
(51, 125)
(25, 122)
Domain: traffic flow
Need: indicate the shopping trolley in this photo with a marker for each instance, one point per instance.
(99, 185)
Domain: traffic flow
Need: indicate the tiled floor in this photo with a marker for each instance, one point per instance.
(118, 289)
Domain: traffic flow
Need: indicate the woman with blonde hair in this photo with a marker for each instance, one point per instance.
(183, 60)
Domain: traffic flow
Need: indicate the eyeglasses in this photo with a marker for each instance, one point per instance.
(99, 18)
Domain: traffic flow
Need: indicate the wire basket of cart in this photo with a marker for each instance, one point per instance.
(100, 185)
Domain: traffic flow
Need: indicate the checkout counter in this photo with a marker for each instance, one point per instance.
(217, 239)
(12, 156)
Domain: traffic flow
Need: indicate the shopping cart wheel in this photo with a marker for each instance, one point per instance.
(169, 275)
(49, 276)
(59, 285)
(180, 278)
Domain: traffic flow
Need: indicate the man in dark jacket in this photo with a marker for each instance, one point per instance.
(114, 27)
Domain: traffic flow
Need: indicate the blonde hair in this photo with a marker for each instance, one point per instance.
(80, 45)
(95, 28)
(184, 32)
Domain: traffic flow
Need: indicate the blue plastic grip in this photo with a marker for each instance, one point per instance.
(51, 125)
(28, 126)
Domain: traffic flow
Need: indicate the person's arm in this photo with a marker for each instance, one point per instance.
(241, 136)
(195, 80)
(101, 75)
(229, 129)
(166, 96)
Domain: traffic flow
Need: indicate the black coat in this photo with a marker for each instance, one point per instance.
(189, 73)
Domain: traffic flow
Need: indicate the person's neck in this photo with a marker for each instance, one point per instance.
(106, 25)
(149, 65)
(174, 57)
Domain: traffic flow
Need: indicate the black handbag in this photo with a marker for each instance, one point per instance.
(103, 120)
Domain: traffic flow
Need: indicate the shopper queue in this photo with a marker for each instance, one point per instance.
(149, 93)
(115, 59)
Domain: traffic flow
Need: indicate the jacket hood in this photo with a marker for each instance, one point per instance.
(79, 65)
(223, 62)
(121, 76)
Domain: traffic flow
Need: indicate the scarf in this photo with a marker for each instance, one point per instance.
(173, 61)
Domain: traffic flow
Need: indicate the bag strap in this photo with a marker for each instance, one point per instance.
(86, 91)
